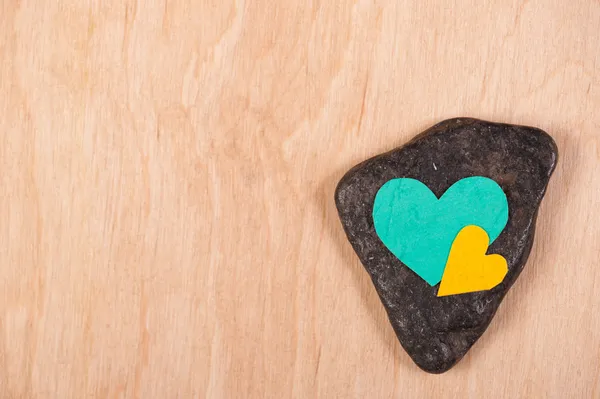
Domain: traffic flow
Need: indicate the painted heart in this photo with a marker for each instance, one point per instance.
(419, 229)
(469, 269)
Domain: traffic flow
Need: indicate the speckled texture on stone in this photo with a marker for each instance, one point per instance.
(437, 332)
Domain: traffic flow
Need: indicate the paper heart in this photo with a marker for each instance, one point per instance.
(419, 229)
(469, 269)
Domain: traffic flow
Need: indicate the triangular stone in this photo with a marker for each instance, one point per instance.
(438, 331)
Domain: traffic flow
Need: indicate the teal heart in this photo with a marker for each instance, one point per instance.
(418, 228)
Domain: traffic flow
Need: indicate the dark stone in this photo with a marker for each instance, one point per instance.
(438, 331)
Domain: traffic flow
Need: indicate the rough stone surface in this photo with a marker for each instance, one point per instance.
(437, 332)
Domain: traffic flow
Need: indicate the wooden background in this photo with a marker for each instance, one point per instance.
(167, 171)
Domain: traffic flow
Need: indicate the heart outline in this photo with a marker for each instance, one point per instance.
(469, 269)
(419, 229)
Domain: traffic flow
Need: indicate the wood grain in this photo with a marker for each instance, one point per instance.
(167, 171)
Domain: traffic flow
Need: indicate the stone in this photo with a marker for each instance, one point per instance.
(437, 331)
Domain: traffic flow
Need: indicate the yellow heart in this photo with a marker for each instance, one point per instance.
(468, 268)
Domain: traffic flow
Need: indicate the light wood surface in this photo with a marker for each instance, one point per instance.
(167, 171)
